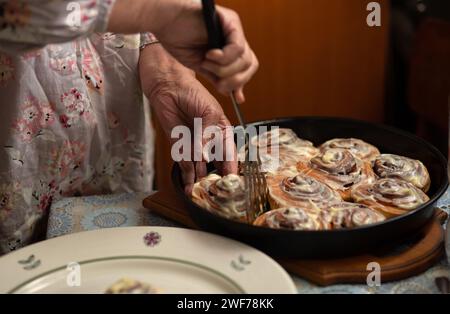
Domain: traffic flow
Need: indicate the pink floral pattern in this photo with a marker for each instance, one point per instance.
(32, 54)
(43, 194)
(61, 60)
(34, 118)
(66, 158)
(92, 70)
(113, 120)
(76, 108)
(73, 121)
(9, 197)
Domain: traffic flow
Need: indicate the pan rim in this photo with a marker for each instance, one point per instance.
(176, 175)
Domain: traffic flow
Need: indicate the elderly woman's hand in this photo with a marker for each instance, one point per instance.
(179, 26)
(228, 69)
(177, 98)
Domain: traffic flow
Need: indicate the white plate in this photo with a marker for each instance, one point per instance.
(171, 259)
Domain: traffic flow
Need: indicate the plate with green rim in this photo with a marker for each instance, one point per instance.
(171, 260)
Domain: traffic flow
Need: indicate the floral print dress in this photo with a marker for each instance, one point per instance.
(73, 117)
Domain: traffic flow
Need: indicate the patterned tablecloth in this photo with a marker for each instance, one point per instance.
(94, 212)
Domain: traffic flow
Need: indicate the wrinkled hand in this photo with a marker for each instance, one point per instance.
(177, 97)
(228, 69)
(179, 26)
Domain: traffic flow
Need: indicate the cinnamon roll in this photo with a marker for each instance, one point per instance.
(280, 148)
(357, 147)
(399, 167)
(289, 188)
(339, 169)
(351, 215)
(224, 196)
(279, 137)
(391, 197)
(271, 163)
(292, 218)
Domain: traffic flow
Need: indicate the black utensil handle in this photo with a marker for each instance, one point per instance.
(216, 37)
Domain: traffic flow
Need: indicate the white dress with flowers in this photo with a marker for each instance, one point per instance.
(72, 112)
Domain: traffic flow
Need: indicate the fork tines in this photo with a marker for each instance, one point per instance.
(256, 185)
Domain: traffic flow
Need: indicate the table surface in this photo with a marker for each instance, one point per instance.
(123, 210)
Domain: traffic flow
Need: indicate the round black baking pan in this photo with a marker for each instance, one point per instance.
(335, 243)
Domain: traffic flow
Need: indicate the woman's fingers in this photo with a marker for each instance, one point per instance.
(200, 170)
(239, 94)
(192, 172)
(234, 36)
(236, 82)
(226, 56)
(229, 164)
(232, 77)
(240, 65)
(188, 175)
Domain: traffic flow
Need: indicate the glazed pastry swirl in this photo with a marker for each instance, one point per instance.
(339, 169)
(399, 167)
(392, 197)
(351, 215)
(280, 137)
(280, 148)
(300, 152)
(290, 188)
(336, 162)
(271, 163)
(358, 148)
(292, 218)
(224, 196)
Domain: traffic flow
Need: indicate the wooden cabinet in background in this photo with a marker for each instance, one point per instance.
(318, 57)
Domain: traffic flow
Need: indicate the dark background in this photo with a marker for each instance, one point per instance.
(412, 23)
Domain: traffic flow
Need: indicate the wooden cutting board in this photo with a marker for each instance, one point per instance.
(396, 263)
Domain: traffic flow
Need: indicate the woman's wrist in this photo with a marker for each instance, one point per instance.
(147, 39)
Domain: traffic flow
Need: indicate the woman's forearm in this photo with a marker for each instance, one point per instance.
(128, 17)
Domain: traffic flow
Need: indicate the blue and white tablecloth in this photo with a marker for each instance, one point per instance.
(94, 212)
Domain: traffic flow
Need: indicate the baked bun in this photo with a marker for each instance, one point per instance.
(391, 197)
(292, 218)
(280, 148)
(404, 168)
(339, 169)
(289, 188)
(350, 215)
(279, 137)
(359, 148)
(224, 196)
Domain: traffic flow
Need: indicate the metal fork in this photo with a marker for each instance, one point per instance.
(254, 179)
